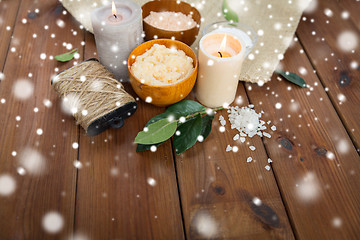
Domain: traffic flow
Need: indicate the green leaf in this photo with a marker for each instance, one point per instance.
(229, 14)
(143, 147)
(189, 132)
(157, 132)
(66, 56)
(157, 118)
(206, 125)
(185, 108)
(292, 77)
(181, 109)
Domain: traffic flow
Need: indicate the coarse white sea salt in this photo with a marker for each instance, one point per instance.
(266, 134)
(171, 21)
(247, 121)
(249, 124)
(228, 148)
(222, 120)
(236, 137)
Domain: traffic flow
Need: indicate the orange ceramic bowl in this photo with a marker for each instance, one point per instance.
(167, 94)
(187, 36)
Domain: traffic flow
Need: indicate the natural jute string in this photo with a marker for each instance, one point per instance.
(91, 91)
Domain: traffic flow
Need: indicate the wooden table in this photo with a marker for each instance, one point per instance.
(311, 192)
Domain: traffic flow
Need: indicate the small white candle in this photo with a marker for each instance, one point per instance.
(117, 30)
(220, 59)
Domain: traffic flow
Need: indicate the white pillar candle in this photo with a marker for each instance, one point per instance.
(218, 76)
(117, 32)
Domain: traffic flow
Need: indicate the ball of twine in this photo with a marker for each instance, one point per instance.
(90, 92)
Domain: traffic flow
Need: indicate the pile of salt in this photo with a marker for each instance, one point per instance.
(170, 21)
(249, 124)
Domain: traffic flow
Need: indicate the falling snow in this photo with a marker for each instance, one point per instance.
(75, 145)
(151, 182)
(205, 225)
(337, 222)
(308, 188)
(347, 41)
(78, 164)
(52, 222)
(32, 161)
(257, 201)
(7, 185)
(23, 89)
(60, 23)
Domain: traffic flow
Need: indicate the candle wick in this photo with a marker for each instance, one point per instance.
(115, 16)
(220, 54)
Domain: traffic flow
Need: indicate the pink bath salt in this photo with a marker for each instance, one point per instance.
(170, 21)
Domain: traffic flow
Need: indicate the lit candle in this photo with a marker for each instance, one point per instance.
(220, 58)
(117, 29)
(222, 50)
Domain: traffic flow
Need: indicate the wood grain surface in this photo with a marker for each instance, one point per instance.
(314, 160)
(114, 197)
(310, 192)
(221, 189)
(8, 13)
(332, 56)
(48, 183)
(349, 10)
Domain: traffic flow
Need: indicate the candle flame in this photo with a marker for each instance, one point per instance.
(223, 44)
(113, 9)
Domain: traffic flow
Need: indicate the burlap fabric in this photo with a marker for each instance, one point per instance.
(275, 21)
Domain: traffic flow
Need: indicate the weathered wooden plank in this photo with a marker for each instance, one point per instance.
(223, 196)
(330, 51)
(115, 197)
(34, 135)
(350, 11)
(315, 162)
(8, 13)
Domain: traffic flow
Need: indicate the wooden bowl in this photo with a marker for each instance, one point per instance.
(186, 36)
(167, 94)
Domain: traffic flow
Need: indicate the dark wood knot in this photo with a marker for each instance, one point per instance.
(59, 8)
(286, 143)
(345, 80)
(266, 214)
(263, 212)
(32, 15)
(321, 151)
(219, 190)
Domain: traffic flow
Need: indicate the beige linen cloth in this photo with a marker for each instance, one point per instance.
(275, 22)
